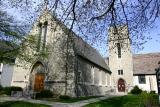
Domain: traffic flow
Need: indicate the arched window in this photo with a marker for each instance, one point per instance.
(44, 36)
(119, 50)
(39, 36)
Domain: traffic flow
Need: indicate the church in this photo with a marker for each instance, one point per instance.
(72, 67)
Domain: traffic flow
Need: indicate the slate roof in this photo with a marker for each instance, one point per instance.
(83, 49)
(145, 63)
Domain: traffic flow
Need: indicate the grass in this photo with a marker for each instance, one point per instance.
(71, 100)
(124, 101)
(20, 104)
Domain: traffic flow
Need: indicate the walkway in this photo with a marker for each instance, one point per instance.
(81, 103)
(56, 104)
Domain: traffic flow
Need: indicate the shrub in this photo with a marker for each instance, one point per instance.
(2, 92)
(44, 94)
(136, 90)
(64, 97)
(8, 90)
(148, 99)
(1, 88)
(152, 92)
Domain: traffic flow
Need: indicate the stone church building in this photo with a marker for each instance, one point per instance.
(130, 69)
(72, 67)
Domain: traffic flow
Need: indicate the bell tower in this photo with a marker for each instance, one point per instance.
(120, 59)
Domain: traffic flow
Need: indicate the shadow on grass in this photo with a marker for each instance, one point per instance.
(124, 101)
(20, 104)
(70, 100)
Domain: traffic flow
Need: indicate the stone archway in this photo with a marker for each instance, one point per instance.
(121, 85)
(37, 77)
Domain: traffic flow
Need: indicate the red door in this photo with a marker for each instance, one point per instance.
(39, 82)
(121, 85)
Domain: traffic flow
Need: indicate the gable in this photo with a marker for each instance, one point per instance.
(80, 46)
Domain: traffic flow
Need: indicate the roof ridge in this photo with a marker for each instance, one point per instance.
(152, 53)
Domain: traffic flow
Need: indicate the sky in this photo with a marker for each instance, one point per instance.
(151, 46)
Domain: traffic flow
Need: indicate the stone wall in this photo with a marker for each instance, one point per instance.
(58, 59)
(92, 80)
(60, 62)
(125, 62)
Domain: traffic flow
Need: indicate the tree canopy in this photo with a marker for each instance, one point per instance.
(91, 19)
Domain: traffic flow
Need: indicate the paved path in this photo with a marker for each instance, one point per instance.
(81, 103)
(56, 104)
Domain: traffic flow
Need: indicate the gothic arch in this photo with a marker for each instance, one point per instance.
(121, 85)
(36, 65)
(37, 77)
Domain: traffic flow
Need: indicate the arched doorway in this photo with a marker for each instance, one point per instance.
(37, 77)
(121, 85)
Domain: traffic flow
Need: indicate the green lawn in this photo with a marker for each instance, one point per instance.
(70, 100)
(20, 104)
(124, 101)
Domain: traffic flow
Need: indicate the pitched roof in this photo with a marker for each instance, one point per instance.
(82, 48)
(85, 50)
(145, 63)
